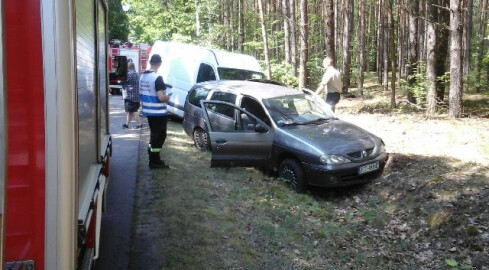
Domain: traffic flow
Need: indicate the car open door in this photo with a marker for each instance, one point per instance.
(237, 137)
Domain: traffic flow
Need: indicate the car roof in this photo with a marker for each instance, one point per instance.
(250, 88)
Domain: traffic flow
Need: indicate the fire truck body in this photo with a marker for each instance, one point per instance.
(138, 54)
(55, 144)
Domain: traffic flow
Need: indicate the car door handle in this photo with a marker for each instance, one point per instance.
(220, 141)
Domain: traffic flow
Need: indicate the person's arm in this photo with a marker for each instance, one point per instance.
(160, 90)
(322, 85)
(320, 88)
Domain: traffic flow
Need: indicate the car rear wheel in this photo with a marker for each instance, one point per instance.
(201, 139)
(291, 170)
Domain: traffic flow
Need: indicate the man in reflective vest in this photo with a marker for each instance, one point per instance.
(153, 95)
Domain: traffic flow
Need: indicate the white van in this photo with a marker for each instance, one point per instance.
(185, 65)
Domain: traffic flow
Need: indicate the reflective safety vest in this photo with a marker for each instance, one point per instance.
(151, 105)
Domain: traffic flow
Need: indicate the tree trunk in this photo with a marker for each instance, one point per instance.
(442, 47)
(197, 19)
(265, 40)
(392, 50)
(413, 48)
(481, 48)
(361, 45)
(286, 16)
(400, 42)
(347, 32)
(303, 43)
(431, 59)
(371, 38)
(385, 73)
(293, 38)
(455, 102)
(421, 31)
(380, 41)
(337, 28)
(241, 26)
(467, 40)
(226, 23)
(329, 40)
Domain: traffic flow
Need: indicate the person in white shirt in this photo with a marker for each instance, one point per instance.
(331, 83)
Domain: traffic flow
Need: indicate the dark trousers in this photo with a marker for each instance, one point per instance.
(157, 126)
(332, 99)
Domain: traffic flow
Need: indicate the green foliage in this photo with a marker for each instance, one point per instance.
(419, 87)
(151, 20)
(282, 72)
(454, 264)
(118, 21)
(451, 262)
(315, 69)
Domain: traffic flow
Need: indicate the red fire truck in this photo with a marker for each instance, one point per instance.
(138, 54)
(55, 144)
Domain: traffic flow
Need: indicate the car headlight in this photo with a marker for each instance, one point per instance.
(333, 159)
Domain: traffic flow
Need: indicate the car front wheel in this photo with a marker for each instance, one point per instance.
(201, 139)
(291, 170)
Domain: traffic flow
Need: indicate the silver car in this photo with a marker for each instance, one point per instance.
(291, 132)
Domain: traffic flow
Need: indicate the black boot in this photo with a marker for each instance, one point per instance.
(155, 162)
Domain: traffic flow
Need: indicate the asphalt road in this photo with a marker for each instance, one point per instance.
(115, 236)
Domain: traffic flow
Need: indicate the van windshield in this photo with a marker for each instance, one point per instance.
(238, 74)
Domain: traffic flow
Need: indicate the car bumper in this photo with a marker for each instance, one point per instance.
(342, 174)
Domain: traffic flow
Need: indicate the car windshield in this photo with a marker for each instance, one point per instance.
(238, 74)
(298, 109)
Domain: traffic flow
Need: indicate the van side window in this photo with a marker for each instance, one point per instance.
(197, 95)
(227, 97)
(206, 73)
(252, 106)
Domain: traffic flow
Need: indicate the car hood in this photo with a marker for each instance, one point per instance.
(334, 137)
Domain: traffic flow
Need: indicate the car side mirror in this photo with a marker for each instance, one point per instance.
(260, 128)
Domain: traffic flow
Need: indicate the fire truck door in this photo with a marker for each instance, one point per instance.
(2, 138)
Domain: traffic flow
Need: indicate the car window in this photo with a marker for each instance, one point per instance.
(197, 95)
(227, 97)
(246, 123)
(254, 107)
(206, 73)
(218, 121)
(223, 123)
(224, 96)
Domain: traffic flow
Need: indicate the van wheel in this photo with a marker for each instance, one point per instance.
(292, 171)
(201, 139)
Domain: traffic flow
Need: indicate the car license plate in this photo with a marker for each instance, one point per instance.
(368, 168)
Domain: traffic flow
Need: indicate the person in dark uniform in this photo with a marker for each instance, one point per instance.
(153, 95)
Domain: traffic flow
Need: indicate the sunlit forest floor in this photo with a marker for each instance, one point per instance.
(428, 210)
(376, 100)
